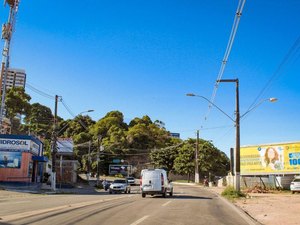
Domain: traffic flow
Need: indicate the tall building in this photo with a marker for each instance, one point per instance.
(15, 78)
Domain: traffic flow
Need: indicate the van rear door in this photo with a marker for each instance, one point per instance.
(151, 180)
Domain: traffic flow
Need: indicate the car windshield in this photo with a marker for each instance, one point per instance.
(296, 180)
(119, 181)
(130, 178)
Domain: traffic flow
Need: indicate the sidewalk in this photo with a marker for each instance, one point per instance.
(39, 189)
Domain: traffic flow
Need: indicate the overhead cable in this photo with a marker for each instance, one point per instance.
(44, 94)
(227, 52)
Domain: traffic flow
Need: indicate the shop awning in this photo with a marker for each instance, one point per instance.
(40, 158)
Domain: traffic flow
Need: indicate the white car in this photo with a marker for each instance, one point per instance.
(295, 184)
(130, 180)
(119, 186)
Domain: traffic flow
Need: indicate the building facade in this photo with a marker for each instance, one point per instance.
(15, 78)
(21, 159)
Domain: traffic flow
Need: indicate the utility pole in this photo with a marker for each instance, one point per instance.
(237, 139)
(98, 158)
(196, 159)
(54, 146)
(232, 161)
(89, 162)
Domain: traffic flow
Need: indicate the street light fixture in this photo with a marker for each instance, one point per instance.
(87, 111)
(237, 124)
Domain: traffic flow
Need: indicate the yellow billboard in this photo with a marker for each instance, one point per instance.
(280, 158)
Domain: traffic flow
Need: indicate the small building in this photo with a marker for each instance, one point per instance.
(21, 159)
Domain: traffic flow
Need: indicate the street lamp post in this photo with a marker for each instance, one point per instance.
(197, 160)
(238, 137)
(237, 125)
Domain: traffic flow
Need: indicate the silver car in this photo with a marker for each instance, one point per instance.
(295, 184)
(119, 186)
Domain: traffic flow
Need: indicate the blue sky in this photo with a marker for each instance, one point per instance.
(142, 57)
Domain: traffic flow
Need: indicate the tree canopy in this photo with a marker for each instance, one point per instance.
(141, 140)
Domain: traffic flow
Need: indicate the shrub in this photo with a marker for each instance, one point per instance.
(230, 193)
(119, 175)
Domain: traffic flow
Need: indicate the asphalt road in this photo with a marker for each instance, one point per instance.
(189, 205)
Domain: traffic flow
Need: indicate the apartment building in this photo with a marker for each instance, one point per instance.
(15, 78)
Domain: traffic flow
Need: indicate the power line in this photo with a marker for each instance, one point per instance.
(67, 108)
(44, 94)
(234, 28)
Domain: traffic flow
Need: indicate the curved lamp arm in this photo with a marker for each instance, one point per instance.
(258, 104)
(200, 96)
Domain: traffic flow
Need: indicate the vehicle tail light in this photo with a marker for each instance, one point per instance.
(162, 179)
(141, 182)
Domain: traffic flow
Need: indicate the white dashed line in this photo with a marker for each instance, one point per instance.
(140, 220)
(167, 203)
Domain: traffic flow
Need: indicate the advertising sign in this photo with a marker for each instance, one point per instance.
(14, 144)
(10, 159)
(21, 144)
(270, 159)
(65, 145)
(122, 169)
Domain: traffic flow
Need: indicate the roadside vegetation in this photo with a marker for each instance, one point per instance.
(231, 194)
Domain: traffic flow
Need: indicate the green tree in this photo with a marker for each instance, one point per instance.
(211, 160)
(144, 134)
(17, 102)
(80, 124)
(112, 130)
(39, 120)
(165, 157)
(184, 163)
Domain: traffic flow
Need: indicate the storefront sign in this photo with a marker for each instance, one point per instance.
(20, 144)
(10, 159)
(270, 159)
(14, 144)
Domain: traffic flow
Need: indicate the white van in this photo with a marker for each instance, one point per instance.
(155, 181)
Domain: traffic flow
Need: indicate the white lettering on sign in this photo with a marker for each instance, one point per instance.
(15, 144)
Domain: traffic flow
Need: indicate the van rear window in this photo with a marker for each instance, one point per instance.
(151, 174)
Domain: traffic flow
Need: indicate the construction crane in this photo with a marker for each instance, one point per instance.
(6, 35)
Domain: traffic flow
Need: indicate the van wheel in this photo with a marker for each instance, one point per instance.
(128, 191)
(143, 195)
(164, 195)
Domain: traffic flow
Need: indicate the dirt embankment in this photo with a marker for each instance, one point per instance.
(271, 207)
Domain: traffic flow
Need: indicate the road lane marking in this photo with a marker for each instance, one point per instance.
(167, 203)
(140, 220)
(40, 211)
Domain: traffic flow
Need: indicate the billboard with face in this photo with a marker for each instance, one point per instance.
(270, 159)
